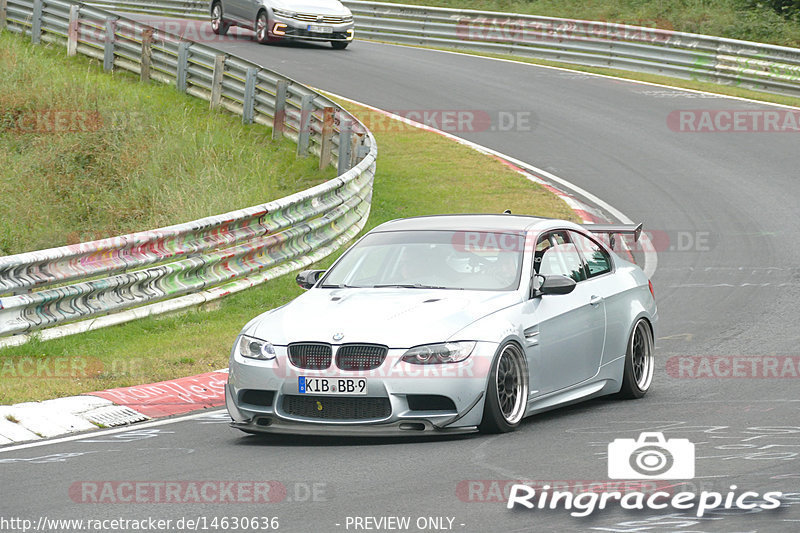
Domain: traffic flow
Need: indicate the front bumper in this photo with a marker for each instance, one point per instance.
(285, 27)
(464, 384)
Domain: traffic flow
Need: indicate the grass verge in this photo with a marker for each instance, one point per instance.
(418, 173)
(86, 155)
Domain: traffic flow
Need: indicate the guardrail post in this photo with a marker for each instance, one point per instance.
(249, 102)
(3, 10)
(280, 109)
(363, 149)
(304, 131)
(72, 30)
(108, 46)
(357, 140)
(345, 144)
(36, 22)
(216, 81)
(147, 41)
(327, 137)
(183, 65)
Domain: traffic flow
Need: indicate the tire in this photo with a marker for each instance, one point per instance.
(639, 362)
(507, 391)
(262, 28)
(339, 45)
(218, 24)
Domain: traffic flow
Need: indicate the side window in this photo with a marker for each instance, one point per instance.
(597, 260)
(556, 255)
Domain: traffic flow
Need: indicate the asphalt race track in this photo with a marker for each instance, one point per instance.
(724, 208)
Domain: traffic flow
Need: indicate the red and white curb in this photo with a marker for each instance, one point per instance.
(32, 421)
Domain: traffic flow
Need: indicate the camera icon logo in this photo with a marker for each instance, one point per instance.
(651, 457)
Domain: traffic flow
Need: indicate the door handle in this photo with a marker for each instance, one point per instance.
(594, 300)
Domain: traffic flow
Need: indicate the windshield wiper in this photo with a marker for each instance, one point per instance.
(408, 286)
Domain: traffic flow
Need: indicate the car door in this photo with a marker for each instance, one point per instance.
(238, 10)
(603, 283)
(567, 331)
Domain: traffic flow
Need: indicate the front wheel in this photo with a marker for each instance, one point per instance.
(507, 392)
(339, 45)
(639, 362)
(262, 29)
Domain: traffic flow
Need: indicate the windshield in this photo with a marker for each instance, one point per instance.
(431, 259)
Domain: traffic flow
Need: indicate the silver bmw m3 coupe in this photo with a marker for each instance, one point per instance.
(449, 324)
(274, 20)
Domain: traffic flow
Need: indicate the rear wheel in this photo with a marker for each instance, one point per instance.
(218, 24)
(339, 45)
(639, 362)
(507, 392)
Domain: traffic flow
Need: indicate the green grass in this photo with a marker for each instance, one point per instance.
(86, 155)
(418, 173)
(750, 20)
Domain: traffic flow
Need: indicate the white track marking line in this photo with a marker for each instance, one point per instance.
(94, 434)
(650, 255)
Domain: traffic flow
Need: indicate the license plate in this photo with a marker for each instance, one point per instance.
(316, 28)
(337, 386)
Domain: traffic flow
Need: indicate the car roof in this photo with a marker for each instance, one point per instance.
(470, 222)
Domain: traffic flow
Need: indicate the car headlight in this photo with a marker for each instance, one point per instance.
(347, 18)
(283, 12)
(253, 348)
(437, 354)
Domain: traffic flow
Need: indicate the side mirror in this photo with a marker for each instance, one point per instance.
(554, 284)
(308, 278)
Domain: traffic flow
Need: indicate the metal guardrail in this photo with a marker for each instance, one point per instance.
(69, 283)
(761, 67)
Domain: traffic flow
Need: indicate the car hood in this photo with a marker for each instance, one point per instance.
(398, 318)
(316, 7)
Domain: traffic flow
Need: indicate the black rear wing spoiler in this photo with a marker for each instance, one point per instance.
(611, 230)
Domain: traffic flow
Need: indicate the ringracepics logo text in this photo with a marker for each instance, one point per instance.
(653, 457)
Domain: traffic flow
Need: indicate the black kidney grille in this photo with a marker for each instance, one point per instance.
(360, 356)
(331, 408)
(311, 356)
